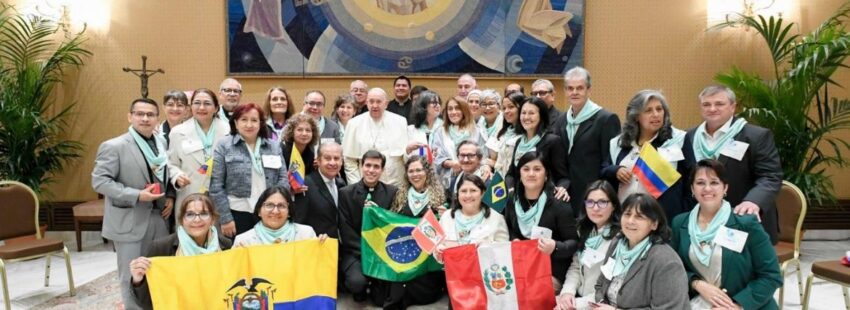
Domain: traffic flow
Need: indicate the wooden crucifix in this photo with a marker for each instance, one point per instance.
(144, 74)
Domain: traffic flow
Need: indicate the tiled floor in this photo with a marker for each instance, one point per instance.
(97, 259)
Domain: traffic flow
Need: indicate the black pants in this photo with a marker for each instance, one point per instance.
(352, 273)
(426, 289)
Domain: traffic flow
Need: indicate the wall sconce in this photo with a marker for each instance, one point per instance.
(73, 16)
(719, 11)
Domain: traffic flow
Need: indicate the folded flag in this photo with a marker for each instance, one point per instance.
(206, 168)
(653, 172)
(388, 250)
(496, 194)
(293, 275)
(502, 275)
(425, 151)
(296, 170)
(428, 233)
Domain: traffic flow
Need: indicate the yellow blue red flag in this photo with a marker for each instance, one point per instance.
(293, 275)
(296, 169)
(653, 172)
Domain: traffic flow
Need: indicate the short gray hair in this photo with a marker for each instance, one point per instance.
(578, 73)
(716, 89)
(544, 82)
(491, 94)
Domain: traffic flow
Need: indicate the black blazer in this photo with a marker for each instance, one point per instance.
(165, 246)
(589, 150)
(757, 177)
(555, 160)
(557, 216)
(351, 200)
(316, 207)
(675, 200)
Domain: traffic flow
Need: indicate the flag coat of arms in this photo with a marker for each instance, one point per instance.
(296, 170)
(654, 172)
(294, 275)
(502, 275)
(388, 249)
(428, 233)
(425, 152)
(497, 193)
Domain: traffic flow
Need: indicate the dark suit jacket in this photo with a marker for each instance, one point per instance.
(557, 216)
(757, 177)
(555, 160)
(589, 150)
(165, 246)
(750, 277)
(351, 199)
(316, 207)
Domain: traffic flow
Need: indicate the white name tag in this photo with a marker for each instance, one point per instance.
(608, 269)
(671, 154)
(538, 232)
(191, 146)
(272, 162)
(735, 149)
(731, 239)
(591, 257)
(326, 140)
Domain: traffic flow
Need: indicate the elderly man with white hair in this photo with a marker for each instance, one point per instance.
(376, 130)
(229, 96)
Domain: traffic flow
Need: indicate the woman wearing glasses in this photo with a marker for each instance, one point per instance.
(176, 111)
(195, 235)
(280, 109)
(426, 118)
(491, 116)
(275, 225)
(191, 151)
(597, 225)
(533, 137)
(458, 126)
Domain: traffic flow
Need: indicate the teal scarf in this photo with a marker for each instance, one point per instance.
(699, 237)
(464, 225)
(416, 201)
(590, 108)
(625, 258)
(438, 122)
(482, 123)
(207, 139)
(527, 220)
(188, 247)
(341, 130)
(701, 148)
(457, 135)
(320, 125)
(156, 161)
(222, 115)
(283, 234)
(595, 239)
(256, 158)
(524, 146)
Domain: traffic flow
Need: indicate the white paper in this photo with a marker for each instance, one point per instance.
(735, 149)
(591, 257)
(191, 146)
(608, 269)
(538, 232)
(272, 162)
(731, 239)
(671, 154)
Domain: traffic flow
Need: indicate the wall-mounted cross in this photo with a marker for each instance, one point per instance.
(144, 74)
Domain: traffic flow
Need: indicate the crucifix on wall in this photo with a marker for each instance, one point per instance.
(144, 74)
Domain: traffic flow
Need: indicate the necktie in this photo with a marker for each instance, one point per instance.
(332, 188)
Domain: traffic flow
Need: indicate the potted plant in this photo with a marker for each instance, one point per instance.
(33, 59)
(795, 102)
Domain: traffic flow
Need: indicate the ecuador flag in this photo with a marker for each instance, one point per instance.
(296, 169)
(496, 194)
(653, 172)
(388, 249)
(294, 275)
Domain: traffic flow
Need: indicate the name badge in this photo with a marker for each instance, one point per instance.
(735, 149)
(608, 269)
(191, 146)
(538, 232)
(671, 153)
(272, 162)
(591, 257)
(731, 239)
(326, 140)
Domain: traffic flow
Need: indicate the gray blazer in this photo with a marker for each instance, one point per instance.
(232, 170)
(331, 130)
(120, 173)
(656, 281)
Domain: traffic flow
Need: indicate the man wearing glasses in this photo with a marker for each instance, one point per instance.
(469, 154)
(314, 105)
(544, 89)
(357, 89)
(229, 95)
(130, 172)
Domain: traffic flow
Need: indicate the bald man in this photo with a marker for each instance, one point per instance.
(229, 96)
(465, 83)
(357, 89)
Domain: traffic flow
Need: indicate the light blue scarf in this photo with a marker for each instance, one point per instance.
(438, 122)
(625, 258)
(464, 225)
(701, 148)
(457, 135)
(283, 234)
(527, 220)
(341, 130)
(256, 158)
(595, 239)
(699, 236)
(188, 247)
(155, 161)
(482, 123)
(207, 139)
(416, 201)
(590, 108)
(321, 125)
(524, 146)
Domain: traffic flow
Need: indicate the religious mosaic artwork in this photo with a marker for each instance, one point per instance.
(356, 37)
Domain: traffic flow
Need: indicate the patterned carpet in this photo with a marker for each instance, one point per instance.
(100, 293)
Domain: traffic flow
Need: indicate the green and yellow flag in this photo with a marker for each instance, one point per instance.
(388, 249)
(496, 194)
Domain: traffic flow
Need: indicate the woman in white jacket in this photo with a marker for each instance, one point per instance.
(470, 221)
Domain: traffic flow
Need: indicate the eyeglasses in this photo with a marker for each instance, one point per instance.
(231, 91)
(540, 93)
(268, 206)
(141, 114)
(435, 103)
(488, 105)
(599, 204)
(467, 156)
(192, 216)
(314, 103)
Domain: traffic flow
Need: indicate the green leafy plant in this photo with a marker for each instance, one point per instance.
(34, 58)
(795, 102)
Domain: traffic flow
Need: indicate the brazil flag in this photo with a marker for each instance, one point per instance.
(388, 249)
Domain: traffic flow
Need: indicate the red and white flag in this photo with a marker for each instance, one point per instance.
(503, 275)
(428, 233)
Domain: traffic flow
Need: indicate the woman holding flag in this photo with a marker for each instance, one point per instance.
(470, 221)
(275, 225)
(458, 126)
(426, 118)
(533, 212)
(299, 139)
(640, 271)
(648, 122)
(533, 137)
(190, 156)
(729, 259)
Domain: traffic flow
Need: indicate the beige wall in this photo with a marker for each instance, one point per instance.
(630, 45)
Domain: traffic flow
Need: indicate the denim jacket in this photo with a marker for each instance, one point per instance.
(232, 168)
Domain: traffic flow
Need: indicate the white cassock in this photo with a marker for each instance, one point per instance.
(388, 136)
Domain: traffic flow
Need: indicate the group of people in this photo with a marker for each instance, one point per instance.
(215, 174)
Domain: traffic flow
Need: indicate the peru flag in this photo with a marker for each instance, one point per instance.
(503, 275)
